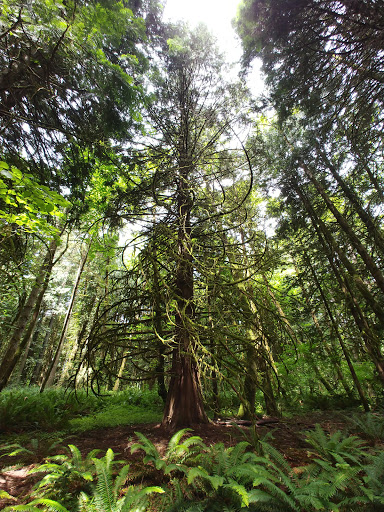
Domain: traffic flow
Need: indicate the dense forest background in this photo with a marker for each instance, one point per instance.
(162, 227)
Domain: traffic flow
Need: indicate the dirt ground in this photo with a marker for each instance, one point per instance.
(288, 438)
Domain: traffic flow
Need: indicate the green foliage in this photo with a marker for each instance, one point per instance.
(324, 402)
(26, 203)
(223, 475)
(67, 476)
(69, 480)
(27, 408)
(236, 479)
(5, 495)
(106, 495)
(368, 425)
(114, 416)
(252, 436)
(374, 481)
(216, 478)
(37, 449)
(336, 448)
(178, 454)
(33, 506)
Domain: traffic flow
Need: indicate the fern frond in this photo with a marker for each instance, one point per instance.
(5, 495)
(86, 503)
(175, 439)
(215, 481)
(50, 505)
(237, 452)
(371, 425)
(108, 457)
(104, 496)
(92, 454)
(146, 445)
(25, 508)
(120, 479)
(137, 500)
(275, 456)
(241, 491)
(336, 447)
(76, 455)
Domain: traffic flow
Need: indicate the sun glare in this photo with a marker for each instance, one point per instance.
(216, 14)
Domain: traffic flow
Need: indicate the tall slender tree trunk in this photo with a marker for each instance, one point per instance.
(27, 318)
(343, 346)
(51, 373)
(373, 229)
(323, 232)
(18, 376)
(120, 374)
(371, 341)
(370, 265)
(48, 335)
(158, 325)
(330, 350)
(251, 384)
(212, 349)
(292, 333)
(69, 359)
(330, 245)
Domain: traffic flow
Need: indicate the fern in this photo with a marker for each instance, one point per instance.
(66, 476)
(177, 453)
(229, 475)
(370, 425)
(374, 481)
(49, 505)
(37, 450)
(4, 495)
(107, 491)
(337, 447)
(105, 495)
(252, 436)
(180, 452)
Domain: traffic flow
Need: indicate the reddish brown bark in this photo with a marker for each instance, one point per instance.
(184, 403)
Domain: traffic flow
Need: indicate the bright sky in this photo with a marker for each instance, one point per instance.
(216, 14)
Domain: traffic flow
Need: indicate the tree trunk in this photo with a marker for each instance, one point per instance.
(37, 370)
(158, 325)
(350, 194)
(252, 368)
(330, 350)
(323, 231)
(330, 245)
(120, 374)
(27, 318)
(184, 404)
(370, 265)
(344, 349)
(51, 373)
(71, 356)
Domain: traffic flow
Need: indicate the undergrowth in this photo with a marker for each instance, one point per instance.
(26, 409)
(343, 476)
(114, 416)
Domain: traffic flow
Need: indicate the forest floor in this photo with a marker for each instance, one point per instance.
(288, 437)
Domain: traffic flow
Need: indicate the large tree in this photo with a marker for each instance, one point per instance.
(187, 153)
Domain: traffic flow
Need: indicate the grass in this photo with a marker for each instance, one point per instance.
(114, 416)
(27, 410)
